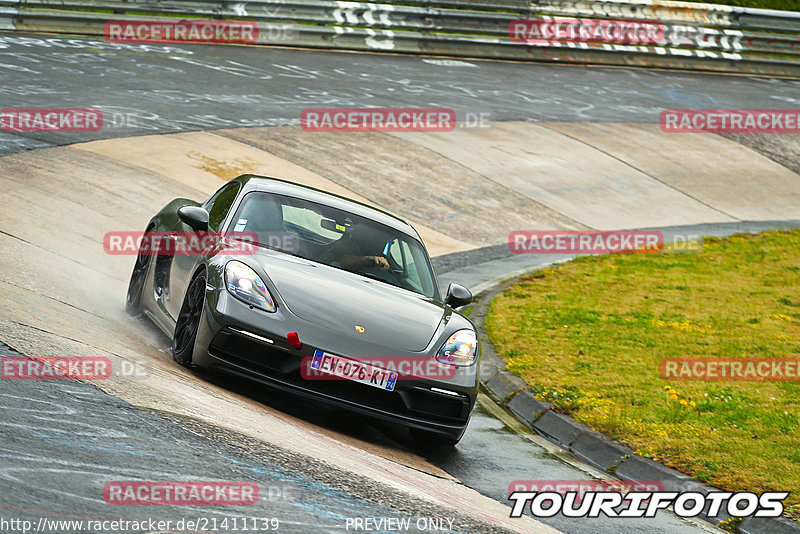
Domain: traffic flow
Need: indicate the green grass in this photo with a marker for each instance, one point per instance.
(589, 335)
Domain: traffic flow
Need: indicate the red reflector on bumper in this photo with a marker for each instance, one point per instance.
(294, 340)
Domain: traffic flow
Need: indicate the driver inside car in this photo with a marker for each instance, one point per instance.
(359, 262)
(360, 248)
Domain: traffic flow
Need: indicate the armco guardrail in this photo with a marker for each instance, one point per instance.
(691, 36)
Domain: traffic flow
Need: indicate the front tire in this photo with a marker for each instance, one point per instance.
(189, 321)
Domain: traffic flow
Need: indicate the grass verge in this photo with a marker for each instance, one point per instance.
(589, 335)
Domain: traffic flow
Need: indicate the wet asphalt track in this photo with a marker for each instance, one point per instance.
(145, 89)
(63, 441)
(166, 89)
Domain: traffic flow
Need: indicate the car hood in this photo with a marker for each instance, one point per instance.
(339, 300)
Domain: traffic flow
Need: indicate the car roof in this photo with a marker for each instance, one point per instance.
(254, 182)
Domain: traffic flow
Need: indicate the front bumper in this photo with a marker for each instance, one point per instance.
(252, 344)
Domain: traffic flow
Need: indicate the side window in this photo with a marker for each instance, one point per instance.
(219, 204)
(411, 266)
(393, 250)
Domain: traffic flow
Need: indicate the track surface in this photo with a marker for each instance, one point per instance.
(196, 87)
(62, 442)
(167, 89)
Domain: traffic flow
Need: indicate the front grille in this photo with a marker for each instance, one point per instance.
(431, 403)
(251, 353)
(274, 362)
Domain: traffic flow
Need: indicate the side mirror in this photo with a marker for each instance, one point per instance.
(457, 296)
(195, 217)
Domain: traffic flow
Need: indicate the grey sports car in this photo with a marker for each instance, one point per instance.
(316, 295)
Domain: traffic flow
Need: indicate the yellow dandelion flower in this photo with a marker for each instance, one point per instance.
(673, 397)
(667, 387)
(684, 403)
(692, 404)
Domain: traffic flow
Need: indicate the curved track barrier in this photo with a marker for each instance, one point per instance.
(626, 33)
(629, 33)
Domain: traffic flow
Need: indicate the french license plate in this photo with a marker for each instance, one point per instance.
(354, 370)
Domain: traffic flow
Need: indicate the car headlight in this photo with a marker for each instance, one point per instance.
(460, 349)
(244, 284)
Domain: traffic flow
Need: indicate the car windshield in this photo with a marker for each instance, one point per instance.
(337, 238)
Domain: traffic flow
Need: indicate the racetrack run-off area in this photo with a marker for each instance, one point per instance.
(568, 148)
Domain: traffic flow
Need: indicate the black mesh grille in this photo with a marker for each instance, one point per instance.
(273, 362)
